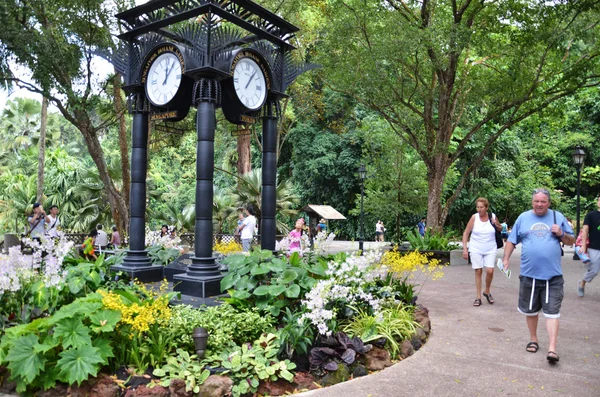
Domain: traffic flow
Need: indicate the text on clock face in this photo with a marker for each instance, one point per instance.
(249, 83)
(165, 78)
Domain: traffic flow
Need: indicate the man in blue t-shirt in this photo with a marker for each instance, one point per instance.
(541, 288)
(421, 227)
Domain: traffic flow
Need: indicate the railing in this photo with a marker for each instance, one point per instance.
(186, 238)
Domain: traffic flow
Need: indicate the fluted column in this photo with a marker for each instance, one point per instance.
(268, 223)
(202, 278)
(137, 263)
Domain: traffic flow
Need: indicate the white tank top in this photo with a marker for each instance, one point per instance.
(483, 237)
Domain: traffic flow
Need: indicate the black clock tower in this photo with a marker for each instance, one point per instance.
(206, 54)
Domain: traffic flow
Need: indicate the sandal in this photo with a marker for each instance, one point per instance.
(477, 302)
(552, 357)
(532, 347)
(489, 298)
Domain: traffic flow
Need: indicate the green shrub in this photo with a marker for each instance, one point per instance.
(395, 324)
(70, 346)
(432, 241)
(248, 364)
(225, 324)
(268, 283)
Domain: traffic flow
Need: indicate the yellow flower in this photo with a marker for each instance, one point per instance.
(227, 248)
(140, 315)
(406, 264)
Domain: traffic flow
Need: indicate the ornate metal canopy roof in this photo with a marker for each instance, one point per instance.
(158, 14)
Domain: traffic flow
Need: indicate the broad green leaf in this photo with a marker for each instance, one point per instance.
(159, 372)
(265, 254)
(105, 320)
(277, 265)
(288, 276)
(240, 294)
(39, 295)
(287, 375)
(76, 284)
(229, 281)
(293, 291)
(276, 290)
(50, 377)
(247, 282)
(83, 306)
(262, 290)
(94, 277)
(128, 296)
(104, 348)
(76, 365)
(260, 269)
(235, 261)
(73, 333)
(48, 344)
(295, 259)
(24, 361)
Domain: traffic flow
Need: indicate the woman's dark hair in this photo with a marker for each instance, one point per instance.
(250, 209)
(114, 228)
(94, 233)
(162, 232)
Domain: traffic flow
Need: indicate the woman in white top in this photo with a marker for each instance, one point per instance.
(482, 247)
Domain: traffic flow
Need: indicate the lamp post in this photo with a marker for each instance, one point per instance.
(362, 174)
(578, 157)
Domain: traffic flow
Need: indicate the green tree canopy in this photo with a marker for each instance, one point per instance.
(446, 73)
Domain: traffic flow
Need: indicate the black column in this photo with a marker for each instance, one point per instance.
(203, 276)
(137, 263)
(268, 226)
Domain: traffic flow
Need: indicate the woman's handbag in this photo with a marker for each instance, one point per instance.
(498, 235)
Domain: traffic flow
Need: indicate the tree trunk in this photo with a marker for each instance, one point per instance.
(436, 174)
(244, 163)
(115, 199)
(124, 151)
(42, 151)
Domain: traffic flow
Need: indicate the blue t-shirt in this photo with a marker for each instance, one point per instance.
(540, 253)
(421, 227)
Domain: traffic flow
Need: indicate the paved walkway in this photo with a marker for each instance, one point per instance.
(480, 351)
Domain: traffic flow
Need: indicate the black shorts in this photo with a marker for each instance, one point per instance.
(545, 295)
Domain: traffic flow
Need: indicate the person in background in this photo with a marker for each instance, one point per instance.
(164, 231)
(37, 220)
(378, 230)
(590, 246)
(541, 231)
(88, 245)
(504, 231)
(381, 238)
(421, 227)
(247, 229)
(295, 237)
(115, 238)
(482, 247)
(101, 238)
(53, 222)
(322, 226)
(236, 233)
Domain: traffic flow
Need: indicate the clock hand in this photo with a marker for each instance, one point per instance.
(167, 73)
(250, 79)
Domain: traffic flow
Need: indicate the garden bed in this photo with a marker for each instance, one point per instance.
(287, 323)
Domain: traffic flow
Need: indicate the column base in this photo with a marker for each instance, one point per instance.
(137, 264)
(201, 287)
(145, 274)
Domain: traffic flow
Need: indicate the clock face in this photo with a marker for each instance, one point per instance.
(249, 83)
(164, 79)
